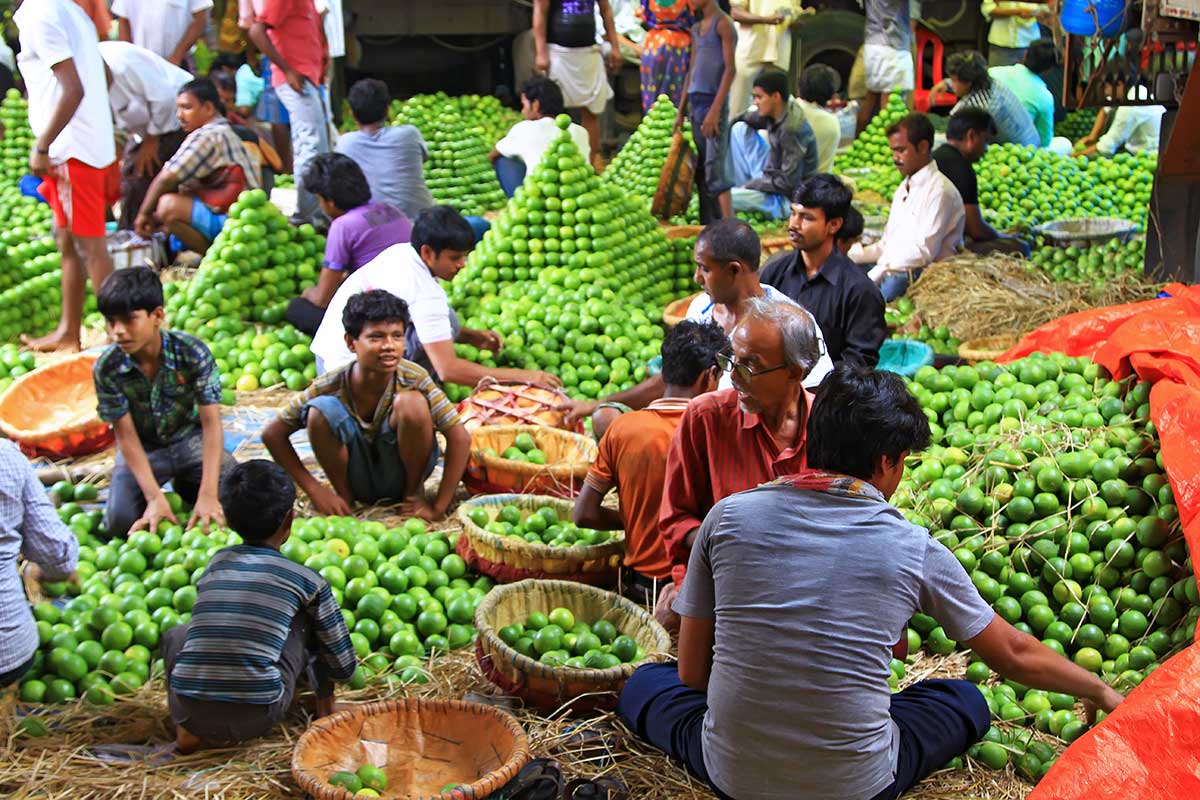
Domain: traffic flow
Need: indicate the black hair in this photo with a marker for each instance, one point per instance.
(442, 228)
(339, 179)
(205, 91)
(547, 93)
(689, 349)
(861, 415)
(969, 67)
(256, 496)
(226, 61)
(1041, 56)
(377, 305)
(368, 100)
(916, 127)
(773, 81)
(129, 290)
(224, 80)
(969, 119)
(731, 239)
(852, 226)
(818, 84)
(826, 192)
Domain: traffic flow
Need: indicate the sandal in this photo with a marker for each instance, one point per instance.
(602, 787)
(540, 779)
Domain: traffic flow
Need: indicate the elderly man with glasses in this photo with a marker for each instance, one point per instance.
(736, 438)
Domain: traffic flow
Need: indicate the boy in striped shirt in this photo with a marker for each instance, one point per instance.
(260, 621)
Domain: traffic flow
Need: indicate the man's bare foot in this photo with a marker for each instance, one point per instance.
(56, 342)
(186, 742)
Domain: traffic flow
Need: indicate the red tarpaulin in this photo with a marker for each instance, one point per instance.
(1150, 746)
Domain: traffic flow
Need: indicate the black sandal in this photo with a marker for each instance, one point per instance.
(540, 779)
(602, 787)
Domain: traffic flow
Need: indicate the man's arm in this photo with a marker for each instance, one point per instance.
(1024, 659)
(452, 369)
(591, 513)
(636, 397)
(45, 540)
(258, 35)
(207, 510)
(610, 31)
(164, 183)
(686, 487)
(275, 437)
(458, 449)
(712, 121)
(130, 445)
(976, 227)
(327, 285)
(1124, 121)
(743, 16)
(993, 10)
(696, 639)
(541, 58)
(867, 330)
(194, 31)
(124, 30)
(70, 96)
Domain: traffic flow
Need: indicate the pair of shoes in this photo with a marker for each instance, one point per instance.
(542, 779)
(602, 787)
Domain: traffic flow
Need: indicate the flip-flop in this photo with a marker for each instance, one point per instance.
(602, 787)
(134, 753)
(540, 779)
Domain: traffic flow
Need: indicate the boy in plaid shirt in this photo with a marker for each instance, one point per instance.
(161, 392)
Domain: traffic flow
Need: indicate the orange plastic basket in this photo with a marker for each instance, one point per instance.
(51, 412)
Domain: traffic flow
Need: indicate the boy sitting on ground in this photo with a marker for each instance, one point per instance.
(162, 394)
(371, 423)
(360, 230)
(259, 622)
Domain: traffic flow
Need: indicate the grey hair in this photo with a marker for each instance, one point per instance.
(801, 342)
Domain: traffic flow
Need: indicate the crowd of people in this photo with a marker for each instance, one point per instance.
(753, 470)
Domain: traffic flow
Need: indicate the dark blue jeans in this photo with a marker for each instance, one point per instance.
(511, 174)
(938, 720)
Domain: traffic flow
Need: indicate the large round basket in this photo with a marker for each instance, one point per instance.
(676, 310)
(421, 745)
(1087, 231)
(681, 231)
(495, 403)
(988, 348)
(549, 687)
(774, 244)
(568, 458)
(511, 558)
(51, 411)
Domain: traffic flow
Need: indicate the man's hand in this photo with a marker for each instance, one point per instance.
(157, 510)
(329, 503)
(207, 513)
(39, 163)
(295, 80)
(487, 340)
(421, 509)
(576, 410)
(615, 60)
(711, 125)
(1108, 701)
(145, 224)
(544, 379)
(541, 63)
(146, 161)
(663, 612)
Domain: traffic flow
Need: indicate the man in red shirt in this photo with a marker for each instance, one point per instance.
(291, 34)
(734, 439)
(633, 456)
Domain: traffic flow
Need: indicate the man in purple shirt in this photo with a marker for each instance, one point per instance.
(361, 229)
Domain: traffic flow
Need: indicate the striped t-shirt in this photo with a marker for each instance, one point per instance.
(246, 603)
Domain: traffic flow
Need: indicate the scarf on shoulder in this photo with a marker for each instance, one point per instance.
(816, 480)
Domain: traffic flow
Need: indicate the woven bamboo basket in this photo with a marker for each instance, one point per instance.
(676, 310)
(774, 244)
(495, 403)
(421, 745)
(511, 558)
(989, 348)
(568, 458)
(681, 231)
(674, 190)
(51, 411)
(550, 687)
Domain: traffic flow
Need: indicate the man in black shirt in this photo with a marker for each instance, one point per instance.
(967, 135)
(837, 292)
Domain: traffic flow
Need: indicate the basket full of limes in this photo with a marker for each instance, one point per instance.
(528, 458)
(414, 748)
(52, 411)
(511, 537)
(554, 642)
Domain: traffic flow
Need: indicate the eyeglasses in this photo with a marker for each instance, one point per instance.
(728, 363)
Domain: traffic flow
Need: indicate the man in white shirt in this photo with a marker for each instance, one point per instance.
(142, 87)
(167, 27)
(927, 218)
(818, 85)
(73, 151)
(1136, 128)
(441, 240)
(526, 142)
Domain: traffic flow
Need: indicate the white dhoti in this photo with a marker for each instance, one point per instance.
(887, 69)
(580, 73)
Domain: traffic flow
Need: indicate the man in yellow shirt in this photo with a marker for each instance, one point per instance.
(1014, 26)
(763, 40)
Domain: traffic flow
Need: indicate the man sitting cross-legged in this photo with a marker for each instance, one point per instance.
(794, 594)
(372, 422)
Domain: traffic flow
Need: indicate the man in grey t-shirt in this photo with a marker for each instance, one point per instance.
(392, 157)
(794, 594)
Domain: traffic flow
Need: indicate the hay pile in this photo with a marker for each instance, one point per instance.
(996, 295)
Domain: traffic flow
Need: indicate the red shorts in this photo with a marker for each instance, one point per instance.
(79, 194)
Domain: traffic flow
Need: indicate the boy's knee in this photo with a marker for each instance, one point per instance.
(315, 420)
(410, 408)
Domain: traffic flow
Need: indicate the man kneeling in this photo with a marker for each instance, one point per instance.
(796, 591)
(372, 422)
(259, 623)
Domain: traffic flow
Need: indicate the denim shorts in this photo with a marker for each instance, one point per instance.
(374, 470)
(207, 221)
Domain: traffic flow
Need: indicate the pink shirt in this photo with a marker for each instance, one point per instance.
(295, 28)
